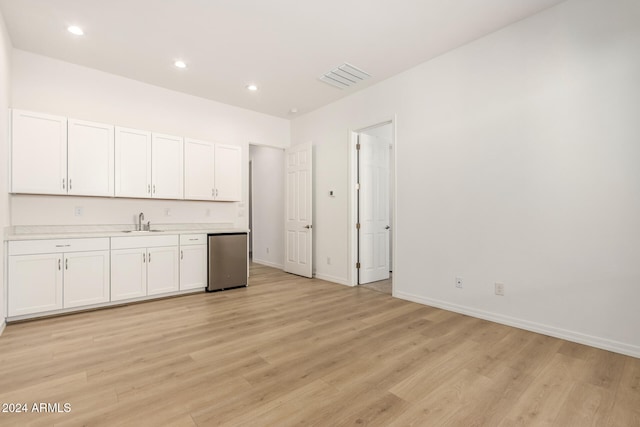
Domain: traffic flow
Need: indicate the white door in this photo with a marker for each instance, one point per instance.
(167, 168)
(193, 267)
(162, 270)
(90, 158)
(228, 173)
(298, 210)
(128, 273)
(374, 209)
(198, 170)
(132, 163)
(86, 278)
(35, 283)
(38, 153)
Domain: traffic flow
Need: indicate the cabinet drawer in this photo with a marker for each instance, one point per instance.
(28, 247)
(193, 239)
(144, 241)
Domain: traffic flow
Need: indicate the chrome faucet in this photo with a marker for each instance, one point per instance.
(140, 219)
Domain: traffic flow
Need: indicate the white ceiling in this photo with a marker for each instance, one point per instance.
(281, 45)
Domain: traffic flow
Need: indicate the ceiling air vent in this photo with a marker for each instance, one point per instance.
(346, 75)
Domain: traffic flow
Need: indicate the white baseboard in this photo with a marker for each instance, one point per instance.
(332, 279)
(268, 263)
(2, 326)
(598, 342)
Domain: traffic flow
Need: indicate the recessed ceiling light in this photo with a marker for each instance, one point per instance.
(180, 64)
(75, 30)
(252, 88)
(294, 110)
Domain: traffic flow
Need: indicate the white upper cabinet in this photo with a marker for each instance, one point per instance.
(132, 163)
(38, 153)
(212, 171)
(90, 158)
(167, 171)
(228, 173)
(199, 178)
(148, 165)
(55, 155)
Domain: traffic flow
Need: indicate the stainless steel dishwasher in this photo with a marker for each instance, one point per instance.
(227, 261)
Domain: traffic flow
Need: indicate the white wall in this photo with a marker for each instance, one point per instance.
(268, 205)
(517, 162)
(5, 91)
(48, 85)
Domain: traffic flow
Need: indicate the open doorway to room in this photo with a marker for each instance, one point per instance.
(266, 205)
(374, 206)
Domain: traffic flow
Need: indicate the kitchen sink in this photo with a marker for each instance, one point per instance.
(142, 231)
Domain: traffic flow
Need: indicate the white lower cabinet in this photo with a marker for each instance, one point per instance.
(162, 270)
(193, 261)
(142, 266)
(128, 273)
(49, 275)
(35, 283)
(46, 275)
(86, 278)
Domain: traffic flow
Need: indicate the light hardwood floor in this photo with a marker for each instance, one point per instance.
(288, 351)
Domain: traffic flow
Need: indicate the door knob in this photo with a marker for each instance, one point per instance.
(387, 227)
(308, 226)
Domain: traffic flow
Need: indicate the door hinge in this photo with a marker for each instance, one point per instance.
(357, 186)
(357, 226)
(357, 265)
(358, 146)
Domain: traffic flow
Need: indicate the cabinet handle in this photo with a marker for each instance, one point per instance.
(69, 183)
(154, 189)
(63, 184)
(144, 257)
(149, 188)
(216, 192)
(181, 255)
(213, 192)
(149, 257)
(59, 262)
(66, 263)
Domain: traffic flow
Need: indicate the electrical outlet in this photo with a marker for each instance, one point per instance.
(267, 250)
(167, 212)
(459, 282)
(207, 212)
(329, 260)
(500, 289)
(78, 211)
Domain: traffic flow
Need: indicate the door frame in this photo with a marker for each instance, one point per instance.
(353, 195)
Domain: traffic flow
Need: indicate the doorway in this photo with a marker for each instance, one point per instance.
(266, 205)
(374, 149)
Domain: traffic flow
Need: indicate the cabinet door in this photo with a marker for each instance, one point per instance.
(38, 153)
(162, 270)
(132, 163)
(35, 283)
(90, 158)
(198, 170)
(228, 173)
(128, 273)
(167, 167)
(193, 267)
(86, 278)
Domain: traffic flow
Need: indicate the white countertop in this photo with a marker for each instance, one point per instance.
(40, 232)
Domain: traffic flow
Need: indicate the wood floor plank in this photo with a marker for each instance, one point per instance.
(293, 351)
